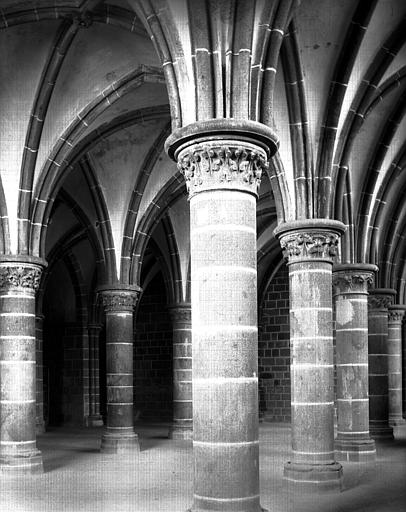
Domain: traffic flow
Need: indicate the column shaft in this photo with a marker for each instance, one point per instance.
(396, 314)
(18, 450)
(39, 349)
(182, 427)
(225, 374)
(351, 307)
(309, 247)
(95, 418)
(119, 435)
(378, 302)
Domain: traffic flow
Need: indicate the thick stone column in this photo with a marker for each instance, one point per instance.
(222, 170)
(182, 427)
(119, 303)
(395, 318)
(39, 351)
(19, 281)
(309, 247)
(378, 302)
(350, 289)
(95, 418)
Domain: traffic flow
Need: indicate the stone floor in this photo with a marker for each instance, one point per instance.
(78, 478)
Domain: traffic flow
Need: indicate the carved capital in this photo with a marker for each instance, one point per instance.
(352, 283)
(20, 276)
(396, 313)
(313, 244)
(219, 164)
(180, 313)
(309, 239)
(380, 299)
(119, 300)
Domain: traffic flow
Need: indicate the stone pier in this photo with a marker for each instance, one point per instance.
(119, 435)
(310, 247)
(378, 302)
(395, 317)
(19, 281)
(350, 289)
(182, 427)
(222, 162)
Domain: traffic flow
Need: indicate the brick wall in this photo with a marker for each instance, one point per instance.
(153, 365)
(66, 393)
(273, 350)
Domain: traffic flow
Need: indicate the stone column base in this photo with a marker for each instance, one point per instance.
(355, 450)
(381, 432)
(179, 432)
(314, 477)
(398, 420)
(94, 421)
(119, 443)
(21, 464)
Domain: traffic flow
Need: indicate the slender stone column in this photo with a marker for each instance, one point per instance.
(396, 314)
(378, 302)
(403, 367)
(350, 289)
(310, 246)
(182, 427)
(119, 303)
(19, 281)
(39, 351)
(95, 418)
(222, 170)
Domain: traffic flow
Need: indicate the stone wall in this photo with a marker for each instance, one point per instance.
(66, 379)
(273, 350)
(153, 356)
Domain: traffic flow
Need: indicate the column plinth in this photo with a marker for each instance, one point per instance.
(350, 289)
(119, 436)
(396, 314)
(378, 302)
(182, 428)
(222, 161)
(19, 282)
(310, 247)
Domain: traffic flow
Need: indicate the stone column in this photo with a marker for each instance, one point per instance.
(310, 247)
(119, 303)
(222, 170)
(403, 367)
(19, 281)
(396, 314)
(182, 427)
(39, 351)
(95, 418)
(378, 302)
(350, 289)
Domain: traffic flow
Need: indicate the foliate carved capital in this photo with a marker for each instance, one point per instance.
(380, 301)
(312, 244)
(355, 283)
(115, 300)
(180, 314)
(20, 276)
(396, 314)
(222, 164)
